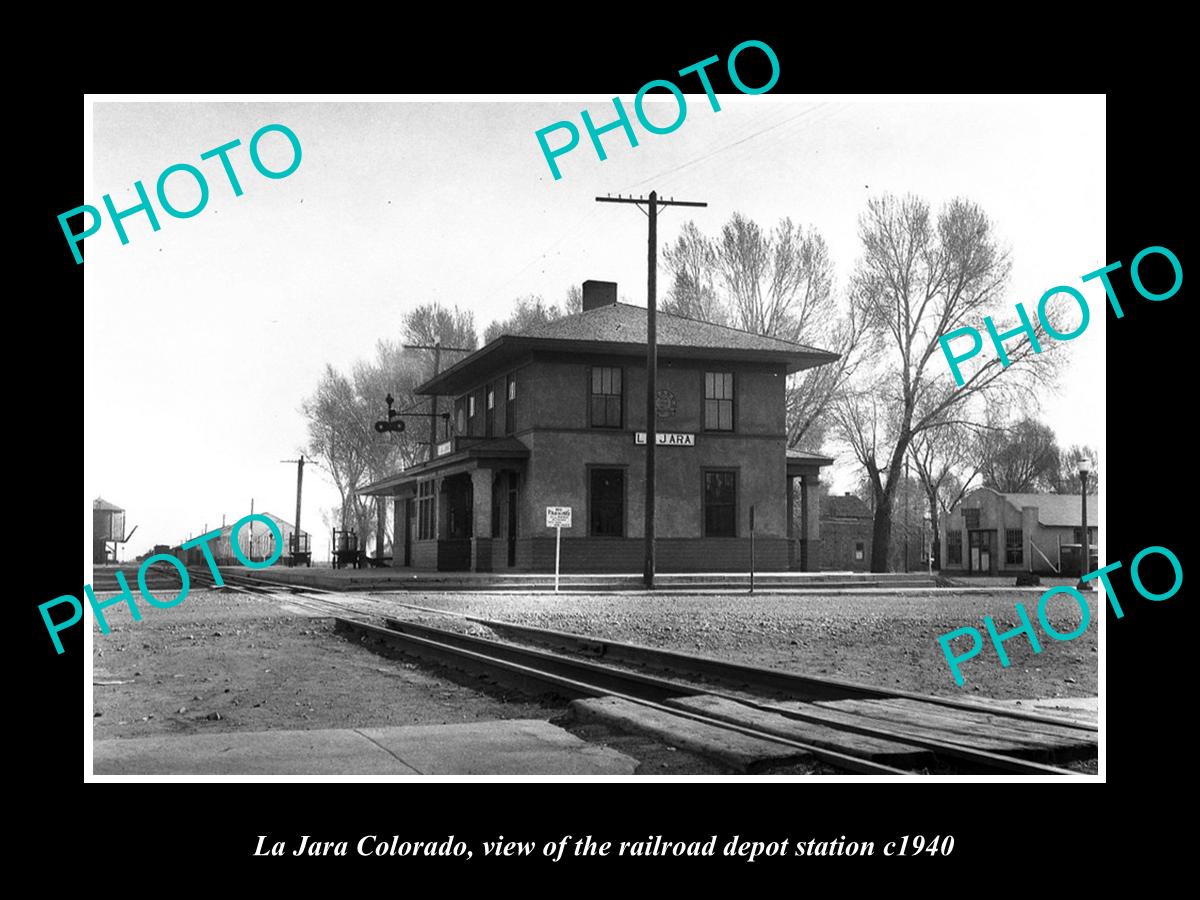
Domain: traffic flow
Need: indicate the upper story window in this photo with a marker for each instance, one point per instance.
(489, 416)
(971, 518)
(606, 397)
(461, 420)
(510, 404)
(718, 401)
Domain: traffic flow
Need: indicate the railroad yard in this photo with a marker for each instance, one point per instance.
(273, 659)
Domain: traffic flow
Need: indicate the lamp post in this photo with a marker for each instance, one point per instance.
(1085, 468)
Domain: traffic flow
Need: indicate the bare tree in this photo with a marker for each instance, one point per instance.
(574, 301)
(432, 322)
(947, 463)
(532, 311)
(1068, 469)
(919, 278)
(778, 283)
(342, 412)
(692, 264)
(1021, 458)
(336, 438)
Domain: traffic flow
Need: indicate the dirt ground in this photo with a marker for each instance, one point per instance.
(234, 662)
(888, 640)
(230, 662)
(223, 662)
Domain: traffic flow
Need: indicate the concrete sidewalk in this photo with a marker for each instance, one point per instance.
(504, 747)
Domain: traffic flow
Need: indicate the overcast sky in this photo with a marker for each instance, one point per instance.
(203, 338)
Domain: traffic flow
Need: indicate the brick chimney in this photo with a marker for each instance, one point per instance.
(599, 293)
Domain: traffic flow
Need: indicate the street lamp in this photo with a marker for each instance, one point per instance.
(1085, 468)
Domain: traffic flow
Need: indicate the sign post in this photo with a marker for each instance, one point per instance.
(752, 549)
(558, 518)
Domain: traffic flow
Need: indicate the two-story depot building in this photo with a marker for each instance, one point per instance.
(556, 416)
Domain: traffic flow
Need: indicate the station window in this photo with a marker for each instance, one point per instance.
(1014, 546)
(461, 420)
(954, 548)
(720, 503)
(606, 397)
(489, 416)
(971, 518)
(425, 512)
(510, 405)
(718, 401)
(860, 550)
(607, 503)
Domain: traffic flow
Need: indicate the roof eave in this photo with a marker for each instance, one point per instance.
(796, 361)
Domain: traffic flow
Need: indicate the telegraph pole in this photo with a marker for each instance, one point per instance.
(437, 367)
(652, 204)
(299, 486)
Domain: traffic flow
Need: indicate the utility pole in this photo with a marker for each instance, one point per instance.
(437, 367)
(652, 204)
(299, 486)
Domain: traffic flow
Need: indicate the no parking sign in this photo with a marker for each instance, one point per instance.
(558, 518)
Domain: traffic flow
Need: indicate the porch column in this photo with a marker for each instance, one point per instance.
(441, 508)
(810, 532)
(791, 520)
(399, 527)
(481, 526)
(380, 525)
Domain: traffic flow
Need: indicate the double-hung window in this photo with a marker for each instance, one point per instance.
(606, 396)
(718, 401)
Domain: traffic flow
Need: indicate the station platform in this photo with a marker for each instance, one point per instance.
(503, 747)
(405, 579)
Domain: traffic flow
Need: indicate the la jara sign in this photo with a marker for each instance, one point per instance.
(667, 438)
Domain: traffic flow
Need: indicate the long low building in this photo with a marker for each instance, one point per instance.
(255, 540)
(556, 417)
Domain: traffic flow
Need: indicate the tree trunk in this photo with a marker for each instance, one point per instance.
(881, 534)
(935, 541)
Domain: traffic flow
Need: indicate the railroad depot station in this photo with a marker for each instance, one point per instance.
(556, 416)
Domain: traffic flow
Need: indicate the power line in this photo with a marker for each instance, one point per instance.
(736, 143)
(652, 203)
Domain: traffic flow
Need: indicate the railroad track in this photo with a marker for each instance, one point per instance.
(852, 727)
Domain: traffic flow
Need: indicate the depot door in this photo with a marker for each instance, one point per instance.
(512, 520)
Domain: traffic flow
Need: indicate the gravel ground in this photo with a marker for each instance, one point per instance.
(885, 640)
(228, 662)
(234, 662)
(224, 662)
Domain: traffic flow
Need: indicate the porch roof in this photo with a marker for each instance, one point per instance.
(470, 451)
(802, 462)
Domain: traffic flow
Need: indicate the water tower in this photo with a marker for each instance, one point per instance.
(108, 528)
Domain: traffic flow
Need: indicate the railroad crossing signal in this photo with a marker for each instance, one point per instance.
(393, 421)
